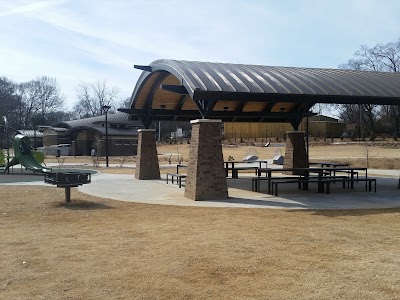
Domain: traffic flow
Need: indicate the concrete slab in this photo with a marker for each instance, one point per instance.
(127, 188)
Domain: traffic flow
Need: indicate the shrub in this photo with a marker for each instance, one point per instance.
(2, 158)
(372, 137)
(39, 156)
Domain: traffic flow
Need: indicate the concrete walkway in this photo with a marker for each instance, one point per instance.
(127, 188)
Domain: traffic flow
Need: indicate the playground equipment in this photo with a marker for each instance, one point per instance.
(23, 155)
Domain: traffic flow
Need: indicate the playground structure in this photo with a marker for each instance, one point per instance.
(24, 155)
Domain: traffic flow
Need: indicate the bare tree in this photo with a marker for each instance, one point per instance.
(92, 97)
(29, 105)
(124, 103)
(9, 101)
(39, 98)
(384, 58)
(50, 99)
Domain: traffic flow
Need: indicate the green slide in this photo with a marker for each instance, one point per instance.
(24, 155)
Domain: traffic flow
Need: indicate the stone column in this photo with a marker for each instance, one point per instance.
(295, 153)
(147, 166)
(206, 173)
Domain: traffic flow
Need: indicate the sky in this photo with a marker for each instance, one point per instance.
(79, 41)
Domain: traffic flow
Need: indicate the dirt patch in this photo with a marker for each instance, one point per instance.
(373, 155)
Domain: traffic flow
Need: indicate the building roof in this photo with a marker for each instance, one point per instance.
(117, 118)
(30, 133)
(185, 90)
(58, 129)
(98, 124)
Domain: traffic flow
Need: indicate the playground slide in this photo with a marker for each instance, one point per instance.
(24, 156)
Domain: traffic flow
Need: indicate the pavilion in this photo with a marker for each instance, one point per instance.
(210, 93)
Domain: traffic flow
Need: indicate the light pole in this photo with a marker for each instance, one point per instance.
(105, 108)
(7, 144)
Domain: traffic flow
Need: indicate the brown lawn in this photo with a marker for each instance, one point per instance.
(97, 248)
(102, 249)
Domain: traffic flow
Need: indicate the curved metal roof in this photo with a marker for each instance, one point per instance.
(238, 78)
(181, 89)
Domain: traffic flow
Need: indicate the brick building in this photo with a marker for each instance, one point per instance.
(88, 133)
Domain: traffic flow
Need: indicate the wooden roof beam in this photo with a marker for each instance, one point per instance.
(179, 89)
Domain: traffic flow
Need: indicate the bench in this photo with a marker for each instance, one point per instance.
(368, 182)
(178, 177)
(326, 182)
(255, 181)
(274, 188)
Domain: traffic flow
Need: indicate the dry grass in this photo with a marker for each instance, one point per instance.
(102, 249)
(379, 156)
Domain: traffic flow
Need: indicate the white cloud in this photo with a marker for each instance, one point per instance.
(22, 7)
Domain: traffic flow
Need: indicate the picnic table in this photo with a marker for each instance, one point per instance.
(335, 165)
(329, 164)
(305, 178)
(230, 166)
(178, 166)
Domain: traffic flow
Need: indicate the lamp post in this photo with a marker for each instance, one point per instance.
(105, 108)
(7, 143)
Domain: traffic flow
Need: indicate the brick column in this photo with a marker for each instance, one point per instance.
(295, 153)
(147, 166)
(206, 174)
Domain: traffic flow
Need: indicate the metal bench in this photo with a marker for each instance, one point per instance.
(368, 182)
(305, 182)
(325, 182)
(255, 181)
(178, 177)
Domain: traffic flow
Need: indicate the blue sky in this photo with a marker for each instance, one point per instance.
(87, 40)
